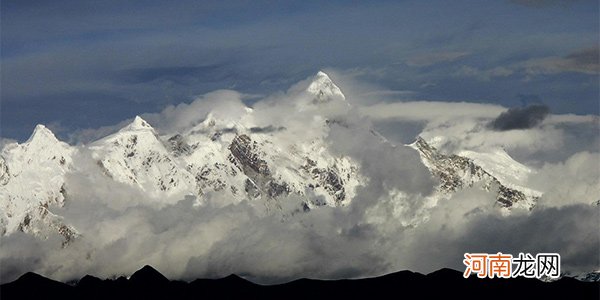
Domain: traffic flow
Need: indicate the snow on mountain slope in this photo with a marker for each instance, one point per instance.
(135, 155)
(231, 154)
(457, 171)
(324, 90)
(320, 92)
(298, 169)
(226, 154)
(504, 168)
(499, 164)
(255, 162)
(251, 162)
(32, 181)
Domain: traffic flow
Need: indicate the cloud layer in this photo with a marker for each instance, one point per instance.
(390, 225)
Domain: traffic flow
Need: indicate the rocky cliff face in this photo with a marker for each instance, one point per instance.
(456, 172)
(4, 174)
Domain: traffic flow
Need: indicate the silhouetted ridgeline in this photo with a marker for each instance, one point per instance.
(148, 283)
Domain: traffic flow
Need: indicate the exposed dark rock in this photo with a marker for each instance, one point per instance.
(244, 150)
(178, 146)
(246, 156)
(327, 178)
(4, 172)
(251, 189)
(452, 169)
(266, 129)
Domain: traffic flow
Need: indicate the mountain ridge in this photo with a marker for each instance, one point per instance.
(232, 157)
(148, 282)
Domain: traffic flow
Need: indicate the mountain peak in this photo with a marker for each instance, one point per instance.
(147, 275)
(323, 88)
(137, 124)
(42, 133)
(421, 145)
(322, 74)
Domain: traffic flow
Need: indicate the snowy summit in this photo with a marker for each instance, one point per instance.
(324, 90)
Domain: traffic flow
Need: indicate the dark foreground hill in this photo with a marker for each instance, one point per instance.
(147, 283)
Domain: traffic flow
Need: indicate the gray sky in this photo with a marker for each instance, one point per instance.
(81, 64)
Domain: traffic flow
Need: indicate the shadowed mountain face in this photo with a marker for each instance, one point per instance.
(149, 283)
(148, 275)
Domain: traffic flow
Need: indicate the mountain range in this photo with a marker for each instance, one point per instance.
(149, 283)
(235, 156)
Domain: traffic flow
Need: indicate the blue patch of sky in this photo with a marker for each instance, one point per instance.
(62, 58)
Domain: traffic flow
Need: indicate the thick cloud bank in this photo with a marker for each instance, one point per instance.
(390, 225)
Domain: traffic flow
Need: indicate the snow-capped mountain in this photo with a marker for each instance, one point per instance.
(218, 155)
(324, 90)
(32, 179)
(233, 156)
(497, 171)
(135, 155)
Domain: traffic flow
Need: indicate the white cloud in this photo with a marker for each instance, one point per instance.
(573, 181)
(6, 141)
(123, 230)
(430, 110)
(224, 104)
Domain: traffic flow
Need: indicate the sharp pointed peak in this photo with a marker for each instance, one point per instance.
(148, 268)
(148, 274)
(321, 78)
(137, 124)
(421, 145)
(420, 139)
(322, 74)
(42, 133)
(324, 89)
(36, 280)
(41, 129)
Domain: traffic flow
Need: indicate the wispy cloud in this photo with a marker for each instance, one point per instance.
(485, 75)
(582, 61)
(429, 59)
